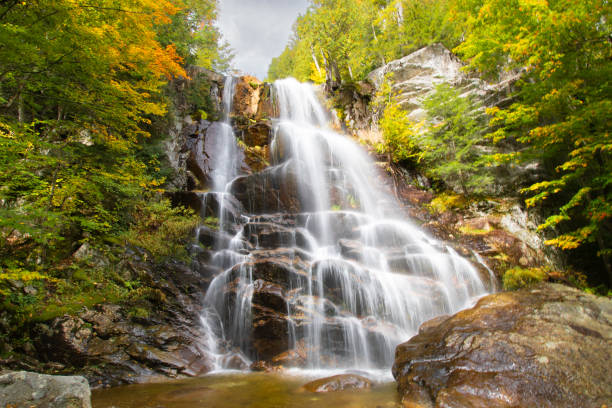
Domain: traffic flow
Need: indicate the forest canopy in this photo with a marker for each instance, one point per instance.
(82, 86)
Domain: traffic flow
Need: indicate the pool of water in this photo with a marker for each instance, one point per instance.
(243, 390)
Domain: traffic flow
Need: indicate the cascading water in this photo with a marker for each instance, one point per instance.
(323, 272)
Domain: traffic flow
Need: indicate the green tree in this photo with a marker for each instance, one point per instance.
(398, 132)
(562, 110)
(450, 144)
(404, 26)
(346, 39)
(331, 38)
(80, 85)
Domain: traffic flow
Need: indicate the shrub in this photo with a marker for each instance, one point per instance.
(445, 202)
(516, 278)
(161, 229)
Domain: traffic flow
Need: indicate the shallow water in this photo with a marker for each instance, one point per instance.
(242, 390)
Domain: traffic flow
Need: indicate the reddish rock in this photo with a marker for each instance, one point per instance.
(340, 382)
(415, 196)
(270, 332)
(291, 358)
(246, 96)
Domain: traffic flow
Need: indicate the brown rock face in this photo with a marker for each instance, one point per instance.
(548, 346)
(252, 99)
(268, 191)
(339, 383)
(246, 96)
(257, 134)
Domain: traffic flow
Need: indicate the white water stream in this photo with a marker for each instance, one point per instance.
(361, 279)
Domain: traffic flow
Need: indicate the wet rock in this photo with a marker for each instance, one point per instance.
(98, 347)
(103, 318)
(288, 256)
(270, 332)
(66, 339)
(153, 356)
(263, 235)
(164, 334)
(350, 249)
(235, 361)
(268, 295)
(291, 358)
(213, 238)
(212, 203)
(548, 346)
(268, 235)
(257, 135)
(260, 365)
(264, 366)
(267, 106)
(342, 382)
(273, 271)
(24, 390)
(197, 363)
(272, 190)
(282, 219)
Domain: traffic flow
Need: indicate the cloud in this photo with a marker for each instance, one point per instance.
(258, 30)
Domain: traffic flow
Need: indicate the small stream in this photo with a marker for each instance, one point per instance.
(242, 390)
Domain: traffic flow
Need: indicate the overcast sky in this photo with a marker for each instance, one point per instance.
(258, 30)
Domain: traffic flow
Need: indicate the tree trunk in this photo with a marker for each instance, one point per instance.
(20, 114)
(315, 60)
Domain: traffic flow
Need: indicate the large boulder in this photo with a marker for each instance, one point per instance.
(22, 389)
(548, 346)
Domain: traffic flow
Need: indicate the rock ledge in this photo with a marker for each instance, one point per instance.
(547, 346)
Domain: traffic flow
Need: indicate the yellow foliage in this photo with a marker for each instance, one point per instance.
(24, 276)
(445, 202)
(517, 278)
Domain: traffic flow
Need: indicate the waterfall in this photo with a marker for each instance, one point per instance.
(322, 270)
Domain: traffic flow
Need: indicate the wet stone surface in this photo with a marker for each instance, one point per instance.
(548, 346)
